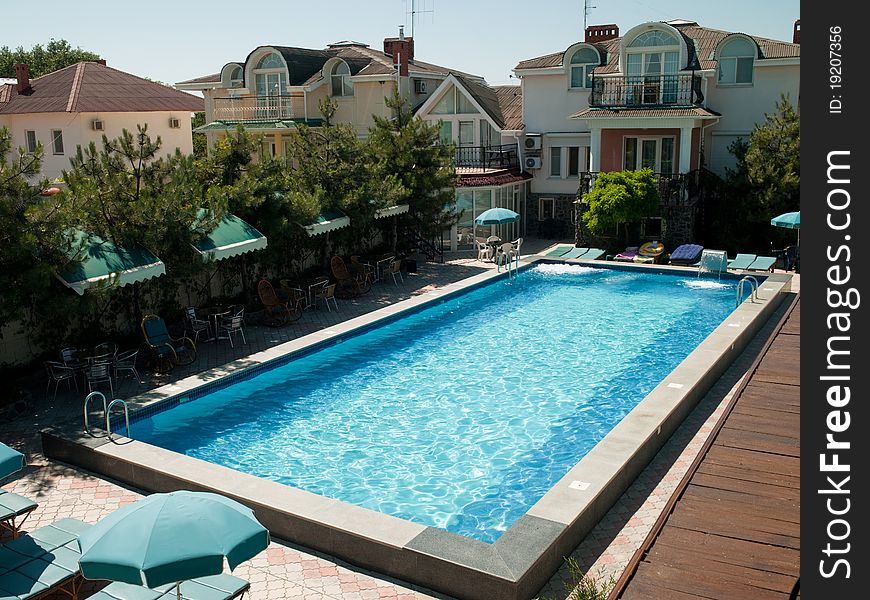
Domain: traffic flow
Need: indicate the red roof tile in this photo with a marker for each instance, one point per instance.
(493, 179)
(93, 87)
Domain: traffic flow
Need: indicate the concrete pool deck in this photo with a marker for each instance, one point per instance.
(524, 558)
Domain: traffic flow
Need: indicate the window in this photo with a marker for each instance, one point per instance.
(270, 61)
(270, 79)
(736, 61)
(555, 161)
(652, 62)
(574, 161)
(545, 208)
(342, 86)
(466, 133)
(656, 154)
(452, 103)
(30, 140)
(651, 227)
(582, 63)
(57, 141)
(446, 132)
(236, 77)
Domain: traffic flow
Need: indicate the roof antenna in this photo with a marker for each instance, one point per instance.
(587, 8)
(414, 12)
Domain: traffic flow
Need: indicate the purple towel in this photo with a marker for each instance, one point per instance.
(627, 255)
(686, 254)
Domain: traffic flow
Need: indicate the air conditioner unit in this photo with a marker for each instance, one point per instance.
(173, 123)
(98, 125)
(419, 86)
(532, 141)
(533, 162)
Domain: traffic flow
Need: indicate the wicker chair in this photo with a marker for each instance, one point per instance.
(167, 351)
(277, 311)
(349, 285)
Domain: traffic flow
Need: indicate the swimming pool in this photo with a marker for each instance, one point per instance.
(460, 416)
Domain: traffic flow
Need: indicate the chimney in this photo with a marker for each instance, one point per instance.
(22, 73)
(401, 49)
(601, 33)
(796, 36)
(101, 61)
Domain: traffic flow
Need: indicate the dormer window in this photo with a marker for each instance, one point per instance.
(270, 77)
(736, 61)
(583, 61)
(270, 61)
(341, 84)
(236, 77)
(652, 61)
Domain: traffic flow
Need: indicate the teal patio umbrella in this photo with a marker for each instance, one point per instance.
(789, 220)
(170, 538)
(10, 460)
(496, 216)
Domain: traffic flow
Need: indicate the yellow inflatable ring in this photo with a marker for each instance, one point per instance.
(651, 249)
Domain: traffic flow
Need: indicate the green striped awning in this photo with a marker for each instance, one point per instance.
(231, 237)
(327, 220)
(391, 211)
(103, 264)
(257, 125)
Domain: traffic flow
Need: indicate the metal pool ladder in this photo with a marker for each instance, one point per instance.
(753, 291)
(107, 409)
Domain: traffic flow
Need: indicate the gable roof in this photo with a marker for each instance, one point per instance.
(94, 87)
(510, 99)
(305, 64)
(702, 42)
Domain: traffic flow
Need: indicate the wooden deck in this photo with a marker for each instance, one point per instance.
(733, 531)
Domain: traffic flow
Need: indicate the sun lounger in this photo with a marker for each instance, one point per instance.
(762, 263)
(575, 253)
(559, 250)
(686, 254)
(627, 255)
(42, 561)
(12, 508)
(741, 261)
(593, 254)
(216, 587)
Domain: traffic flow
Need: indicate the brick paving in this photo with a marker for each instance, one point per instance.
(285, 570)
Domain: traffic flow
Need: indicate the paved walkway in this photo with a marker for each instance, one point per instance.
(288, 571)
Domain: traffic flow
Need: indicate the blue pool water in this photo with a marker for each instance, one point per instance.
(463, 415)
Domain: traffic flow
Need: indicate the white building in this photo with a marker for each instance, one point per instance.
(80, 103)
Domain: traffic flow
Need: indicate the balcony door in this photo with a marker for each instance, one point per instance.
(652, 77)
(270, 101)
(655, 153)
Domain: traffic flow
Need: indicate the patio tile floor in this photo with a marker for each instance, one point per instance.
(285, 570)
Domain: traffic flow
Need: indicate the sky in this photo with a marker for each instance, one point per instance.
(174, 40)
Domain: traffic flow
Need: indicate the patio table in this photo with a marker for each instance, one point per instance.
(214, 314)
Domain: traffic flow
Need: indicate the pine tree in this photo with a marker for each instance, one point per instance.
(409, 150)
(773, 160)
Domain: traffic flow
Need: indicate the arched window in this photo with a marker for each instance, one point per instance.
(236, 77)
(582, 63)
(736, 61)
(270, 61)
(653, 38)
(341, 83)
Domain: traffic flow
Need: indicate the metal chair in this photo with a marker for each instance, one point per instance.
(100, 372)
(58, 372)
(232, 324)
(68, 355)
(105, 349)
(196, 324)
(326, 294)
(126, 361)
(395, 269)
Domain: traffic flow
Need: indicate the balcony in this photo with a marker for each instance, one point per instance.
(254, 108)
(660, 91)
(486, 158)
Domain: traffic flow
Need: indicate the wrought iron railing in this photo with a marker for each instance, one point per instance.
(254, 108)
(675, 189)
(646, 91)
(487, 157)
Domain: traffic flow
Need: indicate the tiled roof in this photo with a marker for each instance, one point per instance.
(510, 99)
(639, 113)
(93, 87)
(305, 64)
(493, 179)
(702, 42)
